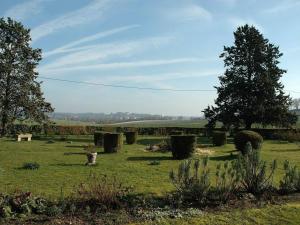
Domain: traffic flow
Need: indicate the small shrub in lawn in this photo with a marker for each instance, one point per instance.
(219, 138)
(98, 138)
(101, 192)
(242, 137)
(192, 182)
(291, 179)
(183, 146)
(256, 178)
(131, 137)
(31, 166)
(113, 142)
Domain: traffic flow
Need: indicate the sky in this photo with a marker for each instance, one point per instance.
(161, 44)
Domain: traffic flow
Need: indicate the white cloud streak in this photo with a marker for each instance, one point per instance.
(26, 9)
(118, 65)
(188, 13)
(68, 47)
(90, 12)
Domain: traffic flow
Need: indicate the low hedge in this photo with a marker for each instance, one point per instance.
(183, 146)
(113, 142)
(131, 137)
(98, 138)
(219, 138)
(242, 137)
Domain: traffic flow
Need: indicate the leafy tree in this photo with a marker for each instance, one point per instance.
(296, 103)
(20, 94)
(250, 90)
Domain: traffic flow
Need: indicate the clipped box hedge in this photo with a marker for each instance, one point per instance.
(183, 146)
(242, 137)
(113, 142)
(131, 137)
(98, 138)
(219, 138)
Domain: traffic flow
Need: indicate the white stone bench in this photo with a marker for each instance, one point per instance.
(24, 136)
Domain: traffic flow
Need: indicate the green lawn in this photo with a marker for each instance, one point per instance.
(131, 165)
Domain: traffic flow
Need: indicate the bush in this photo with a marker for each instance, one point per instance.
(112, 142)
(100, 192)
(192, 182)
(98, 138)
(291, 136)
(242, 137)
(253, 171)
(31, 166)
(183, 146)
(219, 138)
(131, 137)
(291, 179)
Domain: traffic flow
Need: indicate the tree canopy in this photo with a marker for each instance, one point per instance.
(20, 94)
(250, 90)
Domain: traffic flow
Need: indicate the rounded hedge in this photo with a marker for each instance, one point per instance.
(113, 142)
(219, 138)
(183, 146)
(242, 137)
(98, 138)
(131, 137)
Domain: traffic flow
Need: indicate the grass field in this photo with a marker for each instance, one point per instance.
(131, 165)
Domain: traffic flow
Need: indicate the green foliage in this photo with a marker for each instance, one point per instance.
(183, 146)
(113, 142)
(131, 137)
(242, 137)
(291, 136)
(219, 138)
(192, 181)
(253, 172)
(31, 166)
(98, 138)
(250, 90)
(21, 96)
(291, 179)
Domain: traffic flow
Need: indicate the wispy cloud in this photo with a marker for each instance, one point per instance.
(236, 22)
(88, 13)
(118, 65)
(88, 55)
(69, 47)
(189, 13)
(283, 6)
(26, 9)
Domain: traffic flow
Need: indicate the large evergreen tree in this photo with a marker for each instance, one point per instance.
(250, 90)
(20, 94)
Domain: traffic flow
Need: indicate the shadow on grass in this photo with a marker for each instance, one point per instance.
(149, 141)
(75, 146)
(149, 158)
(286, 150)
(223, 157)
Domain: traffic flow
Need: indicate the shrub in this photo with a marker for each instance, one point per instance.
(242, 137)
(113, 142)
(291, 179)
(98, 138)
(31, 166)
(291, 136)
(253, 171)
(131, 137)
(219, 138)
(183, 146)
(192, 182)
(101, 192)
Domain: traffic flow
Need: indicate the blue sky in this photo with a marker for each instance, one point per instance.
(158, 44)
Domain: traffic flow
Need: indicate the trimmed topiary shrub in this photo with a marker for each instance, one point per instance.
(98, 138)
(131, 137)
(242, 137)
(219, 138)
(112, 142)
(183, 146)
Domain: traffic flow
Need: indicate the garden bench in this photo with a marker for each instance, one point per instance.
(24, 136)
